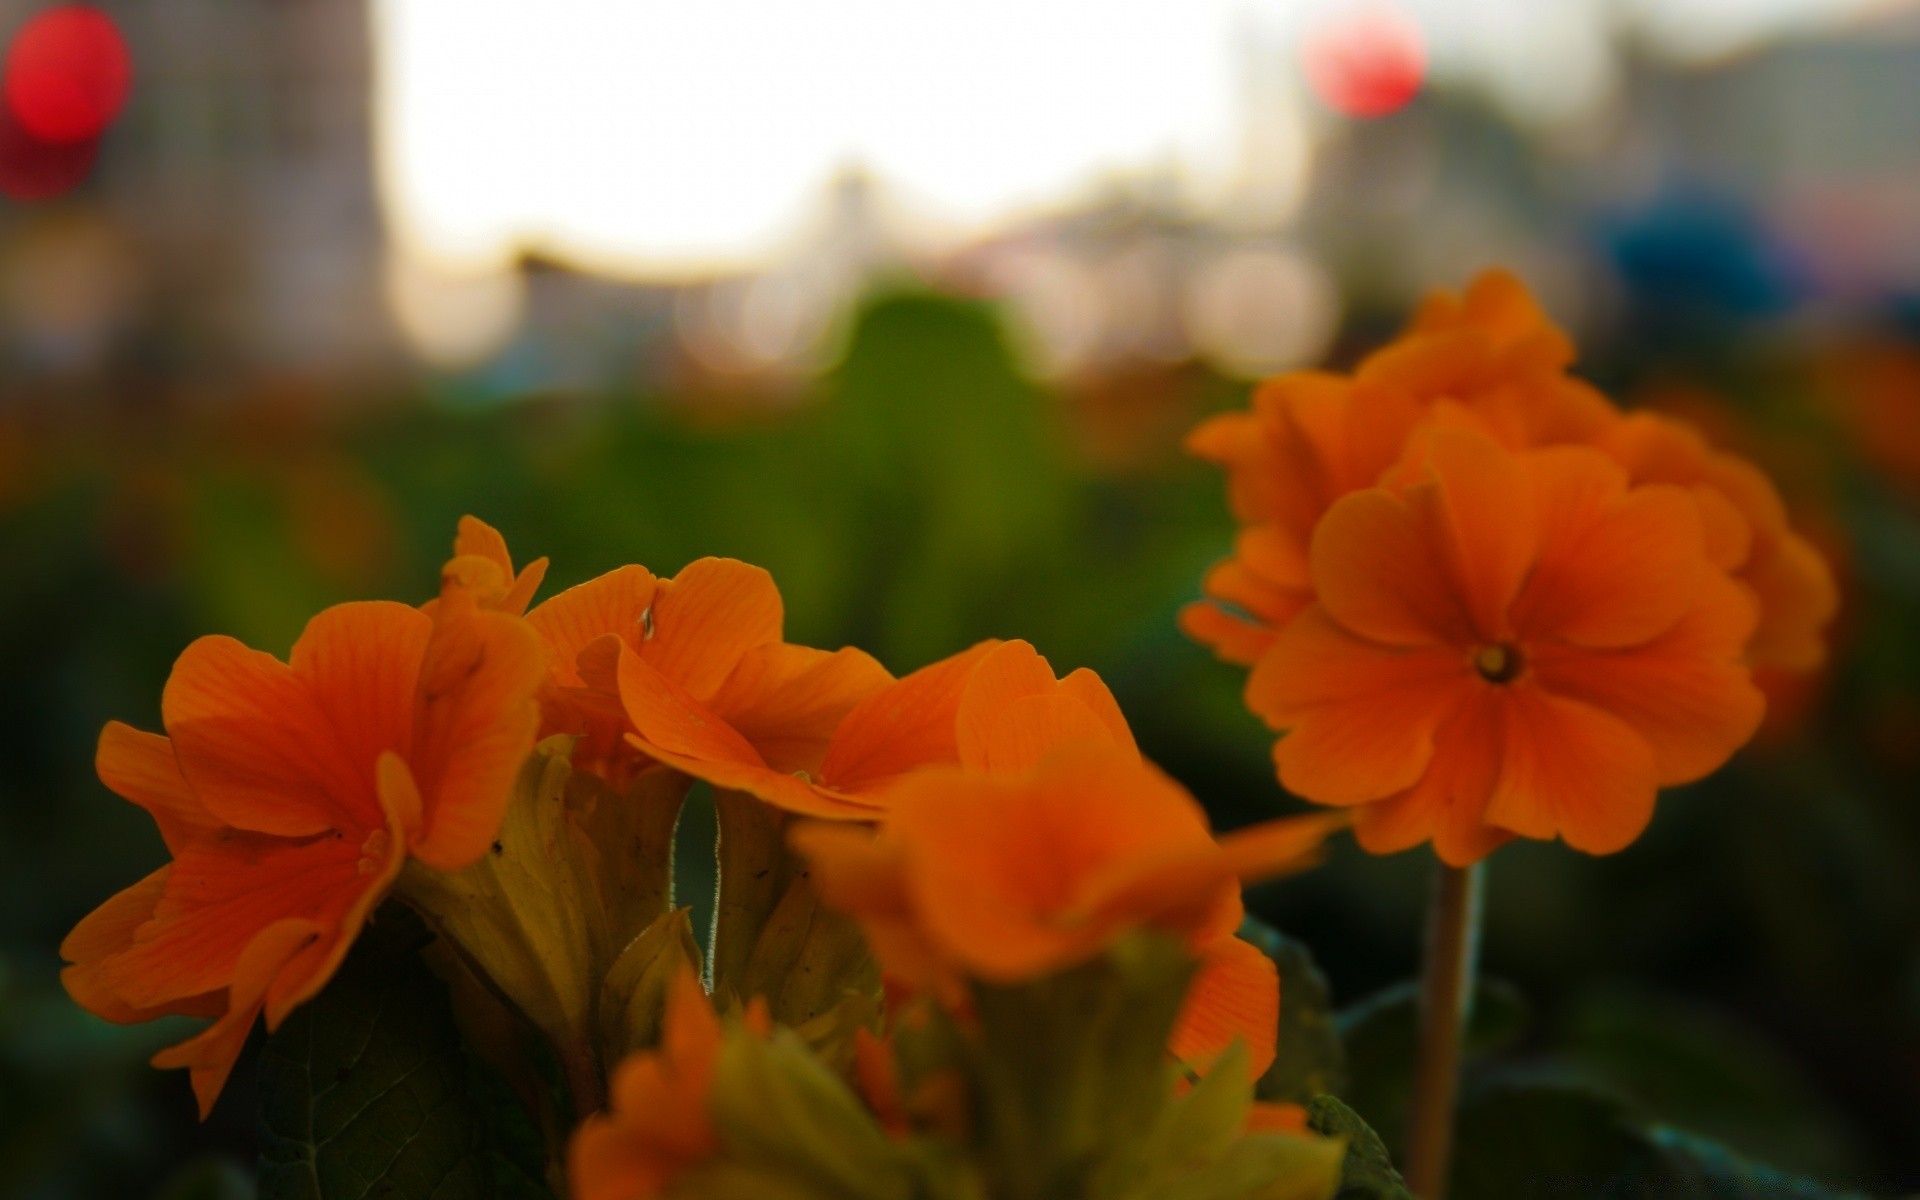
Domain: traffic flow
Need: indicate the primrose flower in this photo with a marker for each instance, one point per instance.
(1508, 644)
(1490, 359)
(1004, 878)
(290, 795)
(709, 637)
(658, 1124)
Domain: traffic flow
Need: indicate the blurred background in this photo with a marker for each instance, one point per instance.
(912, 304)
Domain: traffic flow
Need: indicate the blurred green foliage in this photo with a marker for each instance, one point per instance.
(921, 495)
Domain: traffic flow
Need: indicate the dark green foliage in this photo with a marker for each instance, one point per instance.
(1367, 1172)
(1309, 1058)
(366, 1093)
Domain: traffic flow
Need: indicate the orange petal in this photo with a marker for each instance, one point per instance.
(1484, 511)
(1571, 770)
(1685, 693)
(361, 664)
(476, 537)
(106, 931)
(211, 1054)
(1282, 846)
(257, 747)
(908, 724)
(1232, 638)
(675, 727)
(615, 603)
(1012, 877)
(1014, 712)
(707, 617)
(1377, 569)
(1360, 717)
(1448, 804)
(1234, 998)
(1616, 567)
(220, 893)
(478, 709)
(787, 700)
(140, 767)
(1798, 597)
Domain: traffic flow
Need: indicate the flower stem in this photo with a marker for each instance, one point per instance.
(1446, 1001)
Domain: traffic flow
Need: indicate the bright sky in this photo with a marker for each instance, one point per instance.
(662, 138)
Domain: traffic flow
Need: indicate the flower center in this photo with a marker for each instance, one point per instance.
(1497, 664)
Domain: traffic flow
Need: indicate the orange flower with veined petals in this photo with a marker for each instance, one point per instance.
(1489, 359)
(709, 637)
(289, 795)
(657, 1124)
(1006, 877)
(995, 706)
(1510, 644)
(1747, 534)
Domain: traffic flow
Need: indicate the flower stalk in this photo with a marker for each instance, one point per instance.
(1446, 1004)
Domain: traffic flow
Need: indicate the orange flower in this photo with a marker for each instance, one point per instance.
(658, 1124)
(995, 706)
(289, 795)
(708, 638)
(1490, 360)
(1747, 534)
(1007, 877)
(1509, 644)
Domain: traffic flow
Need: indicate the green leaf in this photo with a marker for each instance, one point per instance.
(1367, 1173)
(1071, 1070)
(365, 1090)
(1522, 1136)
(633, 997)
(781, 1114)
(1309, 1057)
(1689, 1065)
(209, 1177)
(1381, 1034)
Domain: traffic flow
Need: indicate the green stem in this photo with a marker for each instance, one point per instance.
(1446, 1000)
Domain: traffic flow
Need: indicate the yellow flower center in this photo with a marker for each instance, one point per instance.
(1497, 664)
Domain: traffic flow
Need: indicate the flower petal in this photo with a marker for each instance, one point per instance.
(220, 893)
(1571, 770)
(1448, 804)
(1234, 998)
(1685, 693)
(257, 747)
(788, 700)
(106, 931)
(210, 1055)
(1377, 569)
(1483, 509)
(707, 617)
(1360, 716)
(908, 724)
(478, 711)
(361, 664)
(140, 767)
(615, 603)
(1617, 567)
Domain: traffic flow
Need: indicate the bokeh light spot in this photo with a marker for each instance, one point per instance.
(67, 74)
(1366, 64)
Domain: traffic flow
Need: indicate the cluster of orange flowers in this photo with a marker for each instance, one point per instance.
(1481, 602)
(981, 819)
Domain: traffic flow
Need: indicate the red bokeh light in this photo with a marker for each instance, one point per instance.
(1367, 64)
(67, 74)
